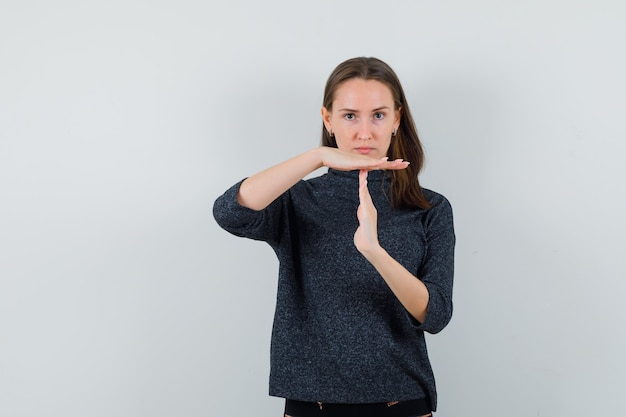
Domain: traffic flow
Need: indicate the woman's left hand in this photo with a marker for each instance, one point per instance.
(410, 291)
(366, 235)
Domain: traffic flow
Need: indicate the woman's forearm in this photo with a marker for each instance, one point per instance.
(259, 190)
(409, 290)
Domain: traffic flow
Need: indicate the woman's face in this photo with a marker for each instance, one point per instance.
(363, 117)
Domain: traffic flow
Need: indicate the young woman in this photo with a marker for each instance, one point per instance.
(365, 255)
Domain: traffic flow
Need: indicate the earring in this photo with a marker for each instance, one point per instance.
(330, 132)
(393, 134)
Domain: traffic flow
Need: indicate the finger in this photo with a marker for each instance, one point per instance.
(372, 164)
(385, 164)
(404, 165)
(362, 179)
(364, 194)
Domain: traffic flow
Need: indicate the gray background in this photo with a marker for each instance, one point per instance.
(122, 121)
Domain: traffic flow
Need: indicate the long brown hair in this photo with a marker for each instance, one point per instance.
(405, 188)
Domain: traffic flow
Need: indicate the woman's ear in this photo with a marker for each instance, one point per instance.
(326, 115)
(398, 114)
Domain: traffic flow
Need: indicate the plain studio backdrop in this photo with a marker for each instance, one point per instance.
(122, 121)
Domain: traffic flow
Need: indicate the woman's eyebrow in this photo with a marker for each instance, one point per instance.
(356, 111)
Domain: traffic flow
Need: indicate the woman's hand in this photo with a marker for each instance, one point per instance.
(366, 235)
(349, 161)
(260, 189)
(410, 291)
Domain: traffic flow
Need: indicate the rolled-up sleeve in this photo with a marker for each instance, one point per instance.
(437, 270)
(246, 222)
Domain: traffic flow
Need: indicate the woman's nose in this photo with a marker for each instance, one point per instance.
(365, 130)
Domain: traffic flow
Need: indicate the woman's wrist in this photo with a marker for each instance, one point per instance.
(321, 155)
(374, 254)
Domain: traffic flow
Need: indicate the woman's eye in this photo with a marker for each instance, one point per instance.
(379, 116)
(349, 116)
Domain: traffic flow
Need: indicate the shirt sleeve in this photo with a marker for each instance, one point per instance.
(245, 222)
(437, 270)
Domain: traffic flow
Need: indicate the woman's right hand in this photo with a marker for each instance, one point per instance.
(348, 161)
(259, 190)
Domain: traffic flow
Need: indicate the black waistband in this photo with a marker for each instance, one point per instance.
(410, 408)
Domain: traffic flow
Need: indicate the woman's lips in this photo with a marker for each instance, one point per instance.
(364, 150)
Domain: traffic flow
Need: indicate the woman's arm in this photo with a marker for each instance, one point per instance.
(409, 290)
(259, 190)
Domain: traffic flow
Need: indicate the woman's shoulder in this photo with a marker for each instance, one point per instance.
(308, 188)
(439, 216)
(322, 181)
(436, 199)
